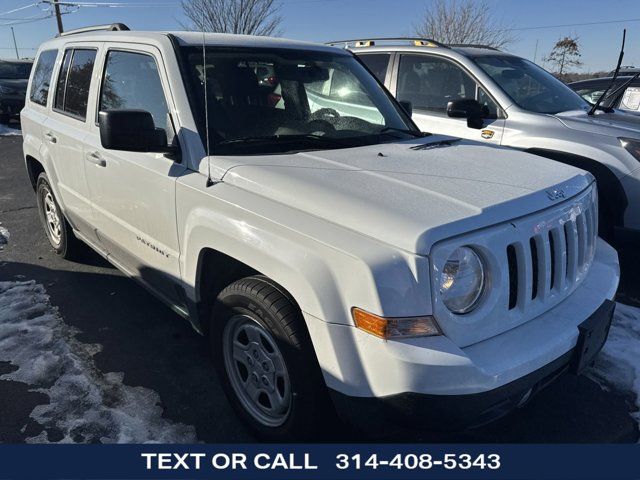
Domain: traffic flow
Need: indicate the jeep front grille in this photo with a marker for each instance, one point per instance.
(552, 260)
(532, 263)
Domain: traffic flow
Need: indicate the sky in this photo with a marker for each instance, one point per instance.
(324, 20)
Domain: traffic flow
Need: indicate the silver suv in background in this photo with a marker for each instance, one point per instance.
(483, 94)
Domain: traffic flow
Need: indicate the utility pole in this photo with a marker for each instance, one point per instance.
(56, 7)
(535, 53)
(15, 45)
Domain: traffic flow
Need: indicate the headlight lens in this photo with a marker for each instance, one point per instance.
(462, 280)
(631, 145)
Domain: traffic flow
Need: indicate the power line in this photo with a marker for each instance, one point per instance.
(572, 25)
(20, 8)
(111, 4)
(33, 19)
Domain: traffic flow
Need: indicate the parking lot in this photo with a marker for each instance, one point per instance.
(113, 364)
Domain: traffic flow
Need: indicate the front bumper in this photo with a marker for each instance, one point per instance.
(356, 364)
(457, 412)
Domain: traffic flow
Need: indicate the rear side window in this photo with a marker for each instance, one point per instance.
(377, 63)
(42, 77)
(74, 81)
(131, 81)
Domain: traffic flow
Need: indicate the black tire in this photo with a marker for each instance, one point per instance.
(65, 244)
(5, 119)
(270, 307)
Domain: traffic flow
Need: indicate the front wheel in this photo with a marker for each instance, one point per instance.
(266, 362)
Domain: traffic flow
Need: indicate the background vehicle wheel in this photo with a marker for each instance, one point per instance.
(58, 230)
(266, 362)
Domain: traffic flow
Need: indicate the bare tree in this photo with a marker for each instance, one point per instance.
(565, 53)
(249, 17)
(463, 22)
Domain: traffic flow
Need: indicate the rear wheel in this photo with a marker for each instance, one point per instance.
(56, 227)
(266, 362)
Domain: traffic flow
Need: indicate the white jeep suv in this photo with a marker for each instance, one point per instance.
(483, 94)
(331, 252)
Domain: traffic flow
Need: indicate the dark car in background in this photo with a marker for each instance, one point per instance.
(627, 101)
(14, 76)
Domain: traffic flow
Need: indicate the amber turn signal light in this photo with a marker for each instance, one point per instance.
(399, 327)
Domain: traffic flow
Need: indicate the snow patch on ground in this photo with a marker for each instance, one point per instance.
(618, 365)
(6, 131)
(86, 405)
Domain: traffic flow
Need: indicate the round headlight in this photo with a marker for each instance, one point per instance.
(462, 280)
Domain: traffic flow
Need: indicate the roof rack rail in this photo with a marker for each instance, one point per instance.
(370, 42)
(113, 27)
(471, 45)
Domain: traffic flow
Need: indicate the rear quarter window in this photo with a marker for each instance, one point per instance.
(42, 77)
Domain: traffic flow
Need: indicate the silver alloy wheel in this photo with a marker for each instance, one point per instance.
(52, 217)
(257, 370)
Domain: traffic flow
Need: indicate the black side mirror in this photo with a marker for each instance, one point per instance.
(406, 106)
(468, 108)
(131, 131)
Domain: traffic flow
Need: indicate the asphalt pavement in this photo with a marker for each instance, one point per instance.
(156, 349)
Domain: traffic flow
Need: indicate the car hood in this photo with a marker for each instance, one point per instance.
(409, 194)
(602, 123)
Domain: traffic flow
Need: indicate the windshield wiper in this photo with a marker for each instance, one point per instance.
(613, 80)
(413, 133)
(284, 139)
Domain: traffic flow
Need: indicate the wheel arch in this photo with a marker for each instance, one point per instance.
(287, 267)
(34, 169)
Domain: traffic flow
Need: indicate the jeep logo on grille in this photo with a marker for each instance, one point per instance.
(555, 194)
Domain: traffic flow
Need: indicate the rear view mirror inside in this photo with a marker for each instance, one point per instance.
(304, 73)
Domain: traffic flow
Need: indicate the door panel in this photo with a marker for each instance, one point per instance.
(133, 193)
(65, 132)
(430, 83)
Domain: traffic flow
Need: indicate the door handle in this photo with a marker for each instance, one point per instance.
(49, 136)
(96, 159)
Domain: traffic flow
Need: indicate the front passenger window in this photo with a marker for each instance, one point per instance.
(430, 83)
(131, 82)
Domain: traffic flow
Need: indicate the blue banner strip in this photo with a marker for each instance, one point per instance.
(320, 462)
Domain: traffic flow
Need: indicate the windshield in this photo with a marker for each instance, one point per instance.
(275, 101)
(529, 86)
(14, 70)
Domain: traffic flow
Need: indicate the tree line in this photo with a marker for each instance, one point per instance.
(446, 21)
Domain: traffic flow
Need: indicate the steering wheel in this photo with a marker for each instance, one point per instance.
(325, 114)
